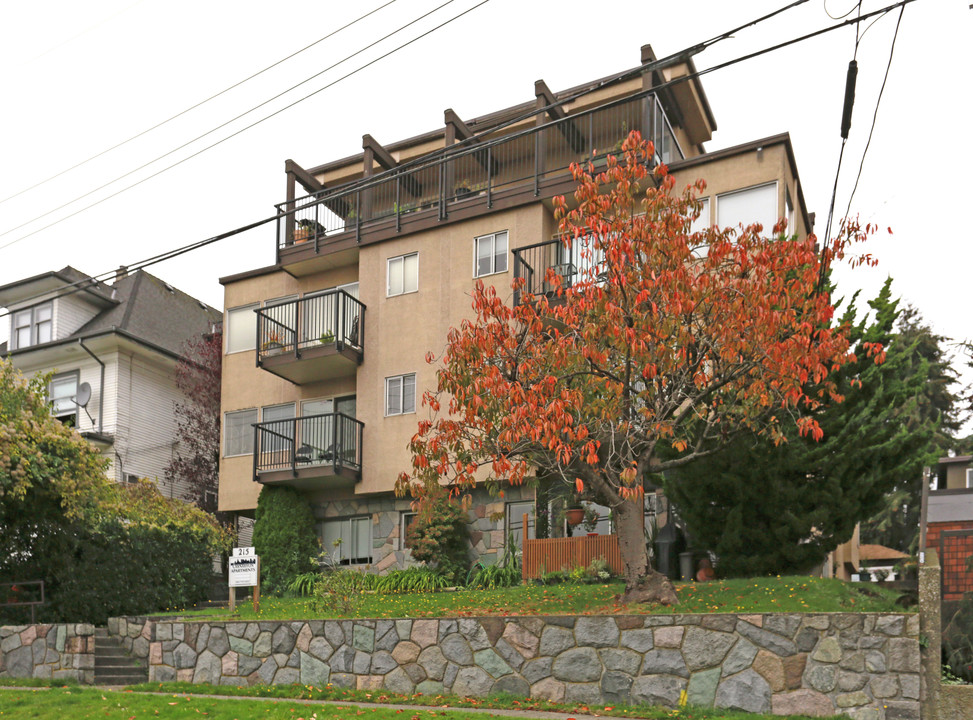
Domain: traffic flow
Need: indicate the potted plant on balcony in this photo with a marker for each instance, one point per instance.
(273, 345)
(307, 229)
(326, 338)
(462, 189)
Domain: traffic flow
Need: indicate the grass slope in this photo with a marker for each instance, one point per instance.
(755, 595)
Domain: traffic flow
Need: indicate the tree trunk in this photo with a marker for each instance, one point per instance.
(642, 583)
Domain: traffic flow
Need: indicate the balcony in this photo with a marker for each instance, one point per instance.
(950, 505)
(311, 339)
(500, 172)
(301, 452)
(532, 263)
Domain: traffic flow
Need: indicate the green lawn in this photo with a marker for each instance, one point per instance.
(172, 703)
(760, 595)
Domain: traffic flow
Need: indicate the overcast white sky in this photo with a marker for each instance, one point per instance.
(76, 78)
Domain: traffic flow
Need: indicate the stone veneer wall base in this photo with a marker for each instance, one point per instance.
(865, 665)
(56, 652)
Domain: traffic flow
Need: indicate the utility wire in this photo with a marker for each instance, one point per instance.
(222, 125)
(189, 109)
(878, 102)
(79, 285)
(684, 54)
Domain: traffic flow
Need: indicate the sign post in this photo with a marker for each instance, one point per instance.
(244, 571)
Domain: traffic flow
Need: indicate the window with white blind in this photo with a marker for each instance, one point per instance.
(746, 207)
(32, 326)
(238, 432)
(400, 394)
(241, 329)
(403, 274)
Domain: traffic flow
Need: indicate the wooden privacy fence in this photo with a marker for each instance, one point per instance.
(554, 554)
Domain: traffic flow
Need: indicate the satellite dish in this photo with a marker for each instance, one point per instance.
(84, 395)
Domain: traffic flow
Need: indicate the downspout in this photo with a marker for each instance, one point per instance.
(101, 391)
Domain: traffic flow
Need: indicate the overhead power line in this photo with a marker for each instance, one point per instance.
(222, 125)
(191, 107)
(79, 285)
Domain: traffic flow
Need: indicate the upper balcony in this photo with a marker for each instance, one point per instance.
(500, 172)
(307, 451)
(311, 339)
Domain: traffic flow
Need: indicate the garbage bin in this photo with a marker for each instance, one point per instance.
(686, 570)
(665, 546)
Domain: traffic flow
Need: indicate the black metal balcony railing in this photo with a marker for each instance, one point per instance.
(331, 318)
(332, 440)
(523, 159)
(532, 262)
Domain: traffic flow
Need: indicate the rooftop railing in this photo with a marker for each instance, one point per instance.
(521, 160)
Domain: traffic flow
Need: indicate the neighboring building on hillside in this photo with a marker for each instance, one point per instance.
(113, 351)
(949, 523)
(324, 368)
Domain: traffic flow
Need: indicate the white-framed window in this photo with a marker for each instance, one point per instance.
(751, 205)
(400, 394)
(238, 432)
(403, 274)
(490, 254)
(241, 328)
(702, 222)
(969, 477)
(32, 326)
(347, 541)
(63, 392)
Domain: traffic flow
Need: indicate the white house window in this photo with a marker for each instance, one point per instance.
(969, 477)
(32, 326)
(347, 541)
(238, 432)
(407, 519)
(403, 274)
(491, 254)
(753, 205)
(63, 391)
(515, 522)
(400, 394)
(241, 329)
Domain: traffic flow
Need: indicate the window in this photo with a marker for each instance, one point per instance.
(63, 391)
(347, 541)
(407, 519)
(403, 274)
(753, 205)
(32, 326)
(400, 394)
(490, 254)
(969, 477)
(515, 522)
(241, 329)
(702, 222)
(238, 432)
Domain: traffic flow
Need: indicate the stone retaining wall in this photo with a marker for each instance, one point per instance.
(60, 652)
(865, 665)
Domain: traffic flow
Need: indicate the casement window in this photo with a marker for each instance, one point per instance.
(63, 392)
(347, 541)
(238, 432)
(752, 205)
(490, 254)
(400, 394)
(403, 274)
(32, 326)
(241, 329)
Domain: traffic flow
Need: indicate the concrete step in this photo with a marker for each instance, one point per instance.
(113, 665)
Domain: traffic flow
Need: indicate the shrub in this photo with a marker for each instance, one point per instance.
(284, 537)
(341, 590)
(411, 580)
(958, 636)
(506, 573)
(439, 536)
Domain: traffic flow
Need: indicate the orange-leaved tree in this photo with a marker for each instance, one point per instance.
(666, 344)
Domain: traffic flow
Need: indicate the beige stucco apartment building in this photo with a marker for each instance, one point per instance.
(376, 259)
